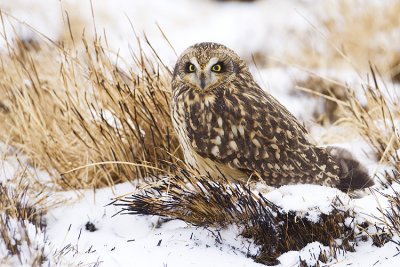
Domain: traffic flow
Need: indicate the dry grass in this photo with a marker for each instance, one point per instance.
(23, 204)
(330, 93)
(22, 226)
(200, 201)
(376, 121)
(66, 108)
(391, 215)
(352, 34)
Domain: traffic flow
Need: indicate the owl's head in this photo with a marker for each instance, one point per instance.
(205, 66)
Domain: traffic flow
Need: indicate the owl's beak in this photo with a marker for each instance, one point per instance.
(202, 81)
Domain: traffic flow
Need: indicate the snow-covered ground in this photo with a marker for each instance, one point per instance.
(83, 227)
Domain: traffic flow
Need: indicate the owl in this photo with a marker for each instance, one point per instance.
(229, 127)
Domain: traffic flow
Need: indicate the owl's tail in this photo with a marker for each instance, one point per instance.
(353, 174)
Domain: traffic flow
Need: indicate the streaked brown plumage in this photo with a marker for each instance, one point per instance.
(228, 126)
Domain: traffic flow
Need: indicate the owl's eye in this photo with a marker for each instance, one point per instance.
(190, 67)
(217, 67)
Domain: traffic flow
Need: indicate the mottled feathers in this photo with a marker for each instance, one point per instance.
(228, 126)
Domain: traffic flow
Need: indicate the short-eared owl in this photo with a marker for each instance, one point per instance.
(228, 126)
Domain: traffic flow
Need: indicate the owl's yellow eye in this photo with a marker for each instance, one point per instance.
(190, 67)
(217, 67)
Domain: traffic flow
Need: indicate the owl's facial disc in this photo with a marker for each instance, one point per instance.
(204, 76)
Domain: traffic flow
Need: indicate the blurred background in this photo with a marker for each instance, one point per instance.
(304, 33)
(319, 46)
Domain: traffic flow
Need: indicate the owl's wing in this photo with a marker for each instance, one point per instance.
(253, 132)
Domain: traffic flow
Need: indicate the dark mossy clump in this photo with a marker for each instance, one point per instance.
(203, 202)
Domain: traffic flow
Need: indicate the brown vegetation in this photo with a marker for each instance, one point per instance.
(21, 222)
(66, 110)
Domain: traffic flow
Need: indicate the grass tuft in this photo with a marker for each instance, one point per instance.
(65, 109)
(22, 228)
(202, 202)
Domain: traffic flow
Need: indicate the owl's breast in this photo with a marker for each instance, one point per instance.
(201, 125)
(179, 113)
(198, 127)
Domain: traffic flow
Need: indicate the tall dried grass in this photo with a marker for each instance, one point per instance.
(352, 34)
(377, 121)
(69, 107)
(375, 117)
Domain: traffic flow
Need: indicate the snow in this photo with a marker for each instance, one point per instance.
(300, 199)
(13, 163)
(369, 255)
(138, 240)
(23, 232)
(275, 28)
(123, 240)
